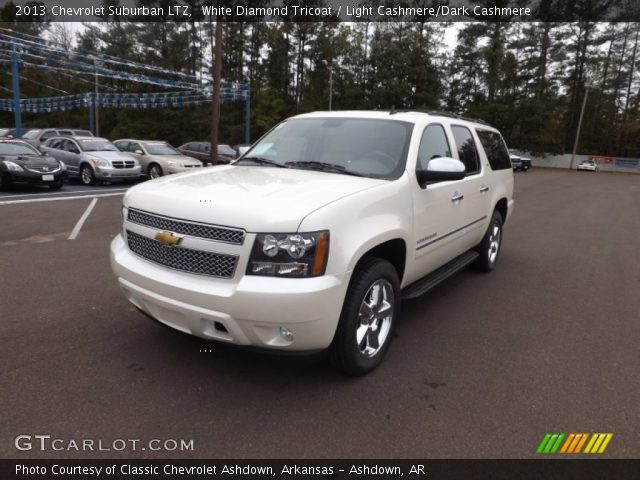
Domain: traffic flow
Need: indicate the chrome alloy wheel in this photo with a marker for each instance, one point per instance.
(494, 242)
(86, 176)
(375, 316)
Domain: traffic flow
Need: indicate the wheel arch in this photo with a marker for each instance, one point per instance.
(393, 250)
(502, 208)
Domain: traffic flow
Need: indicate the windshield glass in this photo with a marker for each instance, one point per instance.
(11, 148)
(226, 150)
(369, 147)
(31, 134)
(158, 148)
(98, 146)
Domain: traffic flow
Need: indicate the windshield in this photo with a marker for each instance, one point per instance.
(17, 149)
(32, 134)
(226, 150)
(368, 147)
(160, 149)
(97, 146)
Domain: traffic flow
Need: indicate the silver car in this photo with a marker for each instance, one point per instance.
(157, 158)
(92, 159)
(37, 137)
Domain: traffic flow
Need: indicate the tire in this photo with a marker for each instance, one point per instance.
(4, 183)
(87, 177)
(376, 282)
(489, 247)
(154, 171)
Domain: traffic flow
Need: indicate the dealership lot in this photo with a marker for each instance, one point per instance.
(482, 366)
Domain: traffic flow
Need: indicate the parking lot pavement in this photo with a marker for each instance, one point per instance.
(482, 366)
(32, 194)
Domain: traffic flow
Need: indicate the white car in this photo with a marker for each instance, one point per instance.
(312, 239)
(589, 165)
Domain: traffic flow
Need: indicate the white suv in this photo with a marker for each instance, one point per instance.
(313, 237)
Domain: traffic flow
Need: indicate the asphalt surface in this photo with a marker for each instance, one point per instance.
(481, 367)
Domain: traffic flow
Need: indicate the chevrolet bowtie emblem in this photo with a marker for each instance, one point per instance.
(168, 238)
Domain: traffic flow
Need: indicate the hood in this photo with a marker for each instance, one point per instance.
(108, 155)
(258, 199)
(32, 161)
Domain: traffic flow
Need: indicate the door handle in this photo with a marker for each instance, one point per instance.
(484, 189)
(457, 197)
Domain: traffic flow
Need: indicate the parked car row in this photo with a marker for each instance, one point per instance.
(48, 156)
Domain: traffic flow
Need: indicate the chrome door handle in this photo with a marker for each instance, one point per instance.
(457, 197)
(484, 189)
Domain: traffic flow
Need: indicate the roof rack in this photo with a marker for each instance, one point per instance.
(393, 111)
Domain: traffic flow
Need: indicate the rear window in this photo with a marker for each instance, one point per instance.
(495, 149)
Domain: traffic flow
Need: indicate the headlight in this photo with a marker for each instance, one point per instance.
(13, 167)
(99, 162)
(289, 254)
(63, 166)
(171, 163)
(125, 211)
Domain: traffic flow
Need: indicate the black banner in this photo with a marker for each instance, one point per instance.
(331, 10)
(561, 469)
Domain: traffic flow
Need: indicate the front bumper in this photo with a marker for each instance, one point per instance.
(35, 178)
(246, 310)
(110, 173)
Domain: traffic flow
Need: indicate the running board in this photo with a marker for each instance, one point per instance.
(422, 286)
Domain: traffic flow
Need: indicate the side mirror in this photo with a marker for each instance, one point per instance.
(139, 152)
(441, 169)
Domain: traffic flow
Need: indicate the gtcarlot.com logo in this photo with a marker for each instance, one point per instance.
(572, 443)
(45, 443)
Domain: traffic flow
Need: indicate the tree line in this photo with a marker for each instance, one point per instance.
(527, 79)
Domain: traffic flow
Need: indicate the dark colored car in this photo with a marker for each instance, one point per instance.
(22, 163)
(201, 151)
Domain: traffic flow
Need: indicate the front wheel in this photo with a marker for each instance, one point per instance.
(368, 317)
(155, 171)
(87, 177)
(489, 248)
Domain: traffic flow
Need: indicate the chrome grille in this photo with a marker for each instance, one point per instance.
(184, 259)
(123, 164)
(43, 169)
(199, 230)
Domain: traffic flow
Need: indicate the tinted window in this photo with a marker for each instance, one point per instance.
(433, 144)
(47, 135)
(69, 146)
(466, 149)
(495, 149)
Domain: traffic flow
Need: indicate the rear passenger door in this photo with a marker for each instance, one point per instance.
(474, 187)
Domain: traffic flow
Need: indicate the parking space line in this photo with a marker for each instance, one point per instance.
(79, 192)
(83, 218)
(76, 197)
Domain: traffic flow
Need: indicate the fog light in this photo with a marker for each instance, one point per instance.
(286, 334)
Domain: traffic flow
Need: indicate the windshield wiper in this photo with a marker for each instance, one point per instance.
(261, 161)
(324, 166)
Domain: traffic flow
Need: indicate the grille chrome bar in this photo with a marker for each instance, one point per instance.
(183, 259)
(185, 227)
